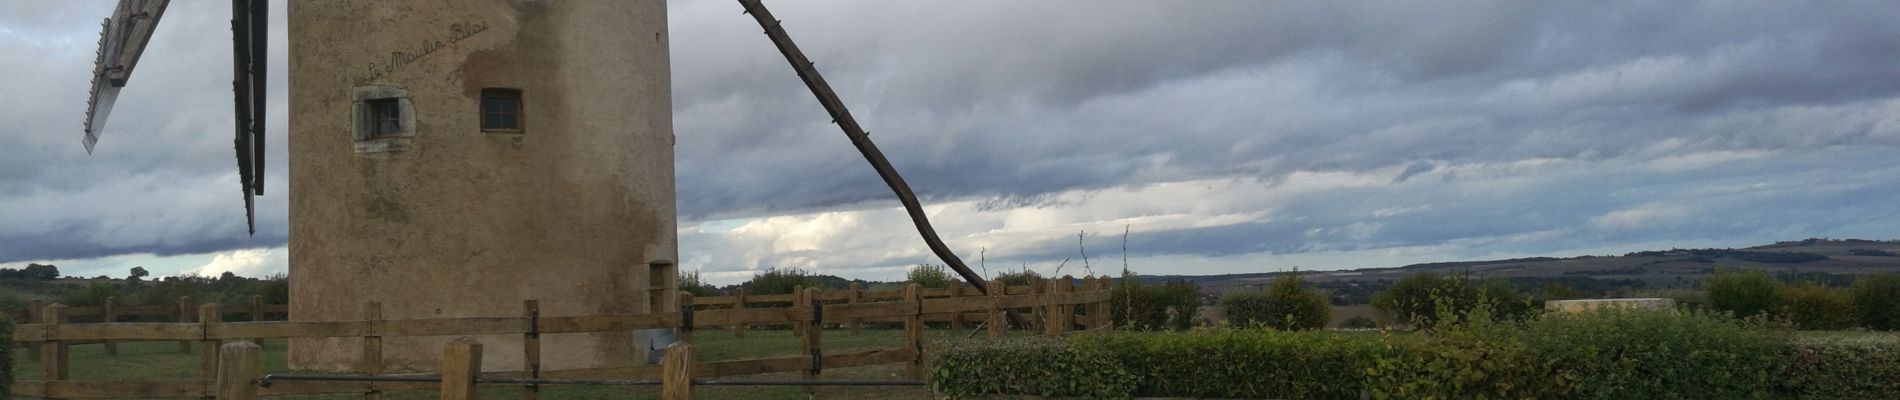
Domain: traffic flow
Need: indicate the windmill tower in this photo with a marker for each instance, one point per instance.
(452, 158)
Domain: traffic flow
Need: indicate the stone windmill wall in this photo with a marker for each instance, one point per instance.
(433, 215)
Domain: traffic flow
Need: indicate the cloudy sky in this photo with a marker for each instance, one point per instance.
(1223, 136)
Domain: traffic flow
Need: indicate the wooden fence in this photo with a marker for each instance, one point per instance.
(185, 312)
(1053, 306)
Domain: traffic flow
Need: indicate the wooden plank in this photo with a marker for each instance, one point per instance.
(117, 331)
(914, 331)
(754, 316)
(371, 359)
(613, 323)
(881, 294)
(751, 367)
(461, 364)
(277, 308)
(640, 372)
(996, 320)
(111, 315)
(531, 349)
(239, 364)
(712, 300)
(813, 339)
(852, 297)
(869, 357)
(452, 326)
(771, 298)
(209, 316)
(676, 377)
(738, 303)
(886, 309)
(296, 329)
(950, 305)
(112, 389)
(54, 364)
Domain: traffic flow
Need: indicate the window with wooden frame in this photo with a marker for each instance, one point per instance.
(385, 118)
(501, 110)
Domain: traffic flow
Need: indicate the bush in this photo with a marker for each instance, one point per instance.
(1286, 305)
(931, 276)
(1745, 293)
(1630, 354)
(1816, 307)
(1228, 363)
(689, 282)
(1032, 367)
(1019, 278)
(1135, 305)
(779, 281)
(1359, 322)
(1878, 299)
(1416, 299)
(1843, 369)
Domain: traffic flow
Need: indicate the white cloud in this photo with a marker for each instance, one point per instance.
(254, 263)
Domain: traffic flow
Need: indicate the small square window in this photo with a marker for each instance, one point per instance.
(385, 118)
(501, 110)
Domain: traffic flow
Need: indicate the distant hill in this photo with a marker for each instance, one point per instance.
(1827, 261)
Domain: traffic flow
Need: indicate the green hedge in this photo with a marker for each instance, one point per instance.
(6, 357)
(1035, 367)
(1229, 363)
(1608, 354)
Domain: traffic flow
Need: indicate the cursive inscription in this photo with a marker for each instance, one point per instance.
(401, 58)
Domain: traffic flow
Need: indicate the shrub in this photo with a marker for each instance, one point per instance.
(1745, 293)
(1417, 298)
(1878, 299)
(930, 276)
(1019, 278)
(1032, 367)
(1136, 305)
(1843, 369)
(1228, 363)
(1816, 307)
(1286, 305)
(1464, 364)
(689, 282)
(1359, 322)
(94, 295)
(779, 281)
(1628, 354)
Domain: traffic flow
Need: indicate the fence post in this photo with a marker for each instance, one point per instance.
(857, 292)
(814, 332)
(997, 290)
(110, 315)
(209, 316)
(35, 311)
(1065, 312)
(1088, 308)
(686, 317)
(53, 352)
(531, 348)
(257, 314)
(956, 317)
(1039, 314)
(738, 303)
(239, 364)
(461, 364)
(371, 361)
(798, 300)
(184, 317)
(914, 330)
(676, 372)
(1107, 319)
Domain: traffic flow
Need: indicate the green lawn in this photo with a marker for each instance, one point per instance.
(162, 361)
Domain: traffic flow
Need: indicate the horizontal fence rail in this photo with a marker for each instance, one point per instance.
(1053, 305)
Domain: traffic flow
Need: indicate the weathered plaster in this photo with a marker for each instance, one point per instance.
(451, 222)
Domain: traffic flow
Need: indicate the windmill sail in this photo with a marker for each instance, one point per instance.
(122, 38)
(250, 34)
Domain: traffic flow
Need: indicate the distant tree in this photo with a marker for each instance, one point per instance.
(689, 282)
(1821, 308)
(136, 274)
(1287, 304)
(1877, 297)
(43, 272)
(228, 276)
(1745, 293)
(93, 295)
(930, 276)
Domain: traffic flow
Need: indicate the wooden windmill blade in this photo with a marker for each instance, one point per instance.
(122, 39)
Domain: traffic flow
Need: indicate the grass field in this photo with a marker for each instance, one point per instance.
(162, 360)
